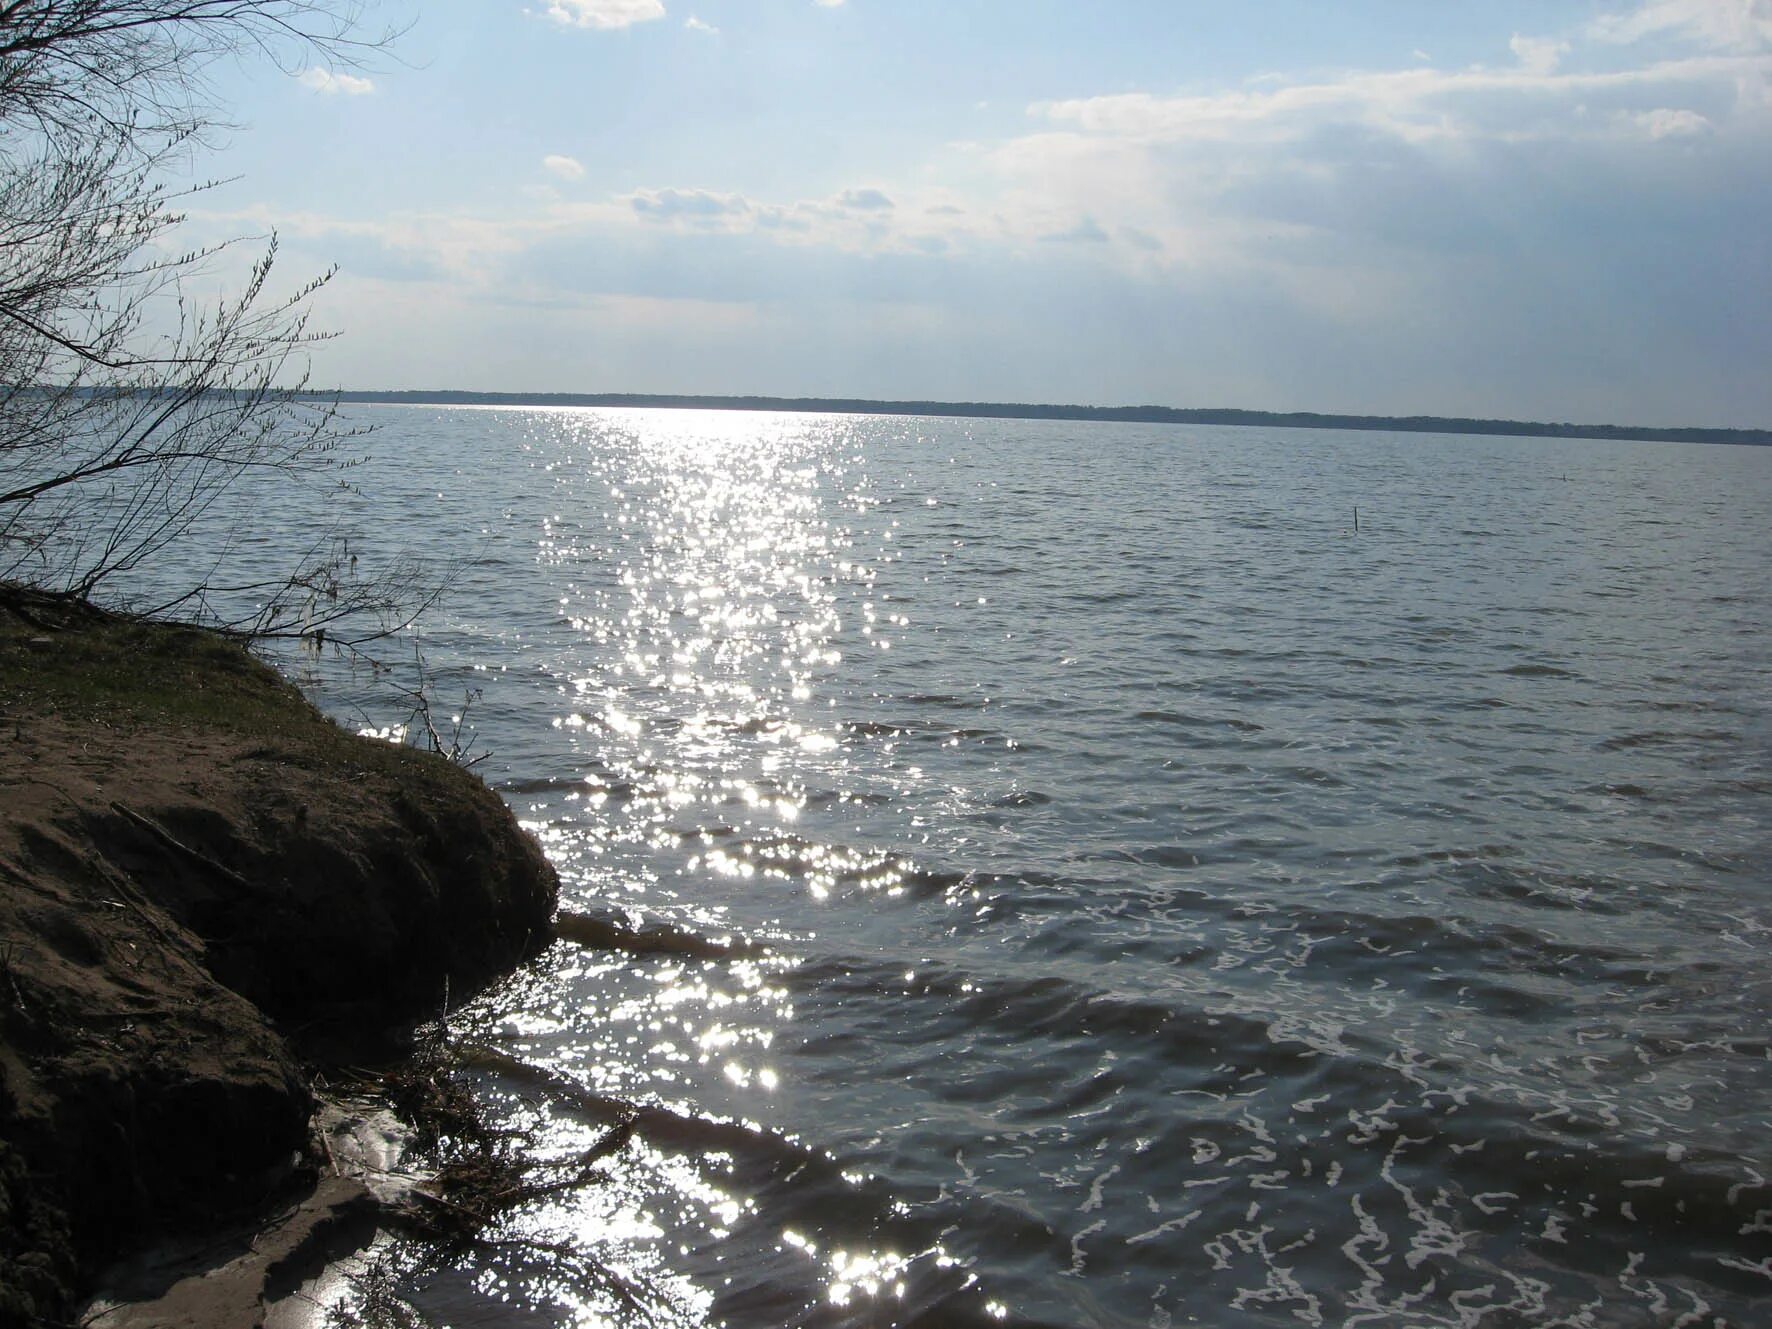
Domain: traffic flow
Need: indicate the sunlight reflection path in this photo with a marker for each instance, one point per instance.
(705, 565)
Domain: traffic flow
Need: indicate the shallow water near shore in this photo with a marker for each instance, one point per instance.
(1046, 873)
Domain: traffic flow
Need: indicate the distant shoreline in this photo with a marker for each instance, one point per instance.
(1417, 424)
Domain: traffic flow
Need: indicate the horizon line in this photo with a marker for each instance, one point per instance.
(1139, 414)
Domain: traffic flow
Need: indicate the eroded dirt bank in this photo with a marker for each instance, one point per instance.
(206, 891)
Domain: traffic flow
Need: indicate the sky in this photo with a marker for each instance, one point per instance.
(1557, 210)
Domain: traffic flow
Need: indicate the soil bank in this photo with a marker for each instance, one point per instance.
(207, 892)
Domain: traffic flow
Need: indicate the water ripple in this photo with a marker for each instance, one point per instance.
(1052, 873)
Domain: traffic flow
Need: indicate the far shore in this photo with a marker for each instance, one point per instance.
(1414, 424)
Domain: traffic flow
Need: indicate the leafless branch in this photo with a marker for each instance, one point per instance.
(130, 403)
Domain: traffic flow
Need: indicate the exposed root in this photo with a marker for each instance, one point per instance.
(478, 1175)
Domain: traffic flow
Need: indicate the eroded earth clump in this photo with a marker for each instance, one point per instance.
(207, 890)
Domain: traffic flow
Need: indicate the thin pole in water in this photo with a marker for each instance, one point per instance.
(1356, 519)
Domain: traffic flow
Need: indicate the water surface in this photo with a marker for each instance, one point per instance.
(1064, 874)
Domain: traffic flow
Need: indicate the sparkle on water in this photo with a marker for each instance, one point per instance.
(1070, 876)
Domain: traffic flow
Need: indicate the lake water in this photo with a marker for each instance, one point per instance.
(1073, 878)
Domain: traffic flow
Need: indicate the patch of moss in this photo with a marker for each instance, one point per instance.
(73, 661)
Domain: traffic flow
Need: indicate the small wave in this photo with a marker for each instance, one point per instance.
(601, 933)
(659, 1124)
(824, 798)
(1183, 720)
(549, 784)
(1484, 851)
(884, 728)
(1056, 1007)
(1661, 738)
(838, 867)
(1692, 707)
(1537, 671)
(1313, 775)
(756, 724)
(1171, 856)
(1026, 798)
(920, 729)
(801, 1186)
(1619, 791)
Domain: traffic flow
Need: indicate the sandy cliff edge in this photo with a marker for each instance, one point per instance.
(206, 890)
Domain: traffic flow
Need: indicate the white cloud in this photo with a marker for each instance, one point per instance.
(1667, 123)
(1373, 175)
(698, 207)
(332, 83)
(1086, 232)
(693, 24)
(855, 220)
(1354, 192)
(1567, 229)
(1538, 55)
(864, 200)
(567, 168)
(828, 4)
(1733, 25)
(1531, 100)
(605, 14)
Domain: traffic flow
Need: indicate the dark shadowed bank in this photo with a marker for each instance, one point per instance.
(207, 891)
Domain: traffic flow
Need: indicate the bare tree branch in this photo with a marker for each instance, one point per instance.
(128, 403)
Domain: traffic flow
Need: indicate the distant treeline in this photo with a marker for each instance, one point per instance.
(1168, 415)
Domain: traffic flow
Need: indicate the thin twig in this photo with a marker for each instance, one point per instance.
(171, 841)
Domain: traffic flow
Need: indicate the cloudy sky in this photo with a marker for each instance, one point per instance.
(1550, 210)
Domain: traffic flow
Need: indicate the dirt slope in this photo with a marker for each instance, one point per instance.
(206, 889)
